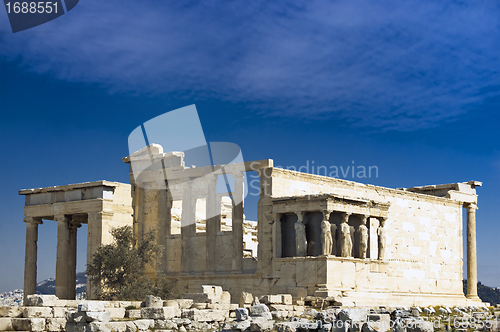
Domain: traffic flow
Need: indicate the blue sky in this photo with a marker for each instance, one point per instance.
(410, 87)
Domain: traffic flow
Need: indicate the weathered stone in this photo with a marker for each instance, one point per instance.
(159, 313)
(240, 325)
(91, 306)
(311, 312)
(37, 312)
(153, 302)
(93, 316)
(55, 324)
(59, 312)
(241, 314)
(286, 299)
(184, 303)
(279, 314)
(245, 299)
(98, 327)
(261, 324)
(200, 306)
(6, 324)
(28, 324)
(116, 313)
(37, 300)
(353, 315)
(135, 313)
(171, 303)
(286, 327)
(11, 311)
(280, 307)
(225, 298)
(130, 327)
(379, 322)
(419, 325)
(269, 299)
(258, 309)
(144, 324)
(207, 315)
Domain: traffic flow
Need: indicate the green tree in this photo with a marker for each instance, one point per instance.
(119, 268)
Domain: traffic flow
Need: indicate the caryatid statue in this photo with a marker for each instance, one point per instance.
(300, 236)
(381, 238)
(345, 236)
(326, 234)
(363, 237)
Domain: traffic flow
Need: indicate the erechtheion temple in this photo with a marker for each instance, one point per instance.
(315, 236)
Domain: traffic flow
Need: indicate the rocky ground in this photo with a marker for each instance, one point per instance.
(212, 310)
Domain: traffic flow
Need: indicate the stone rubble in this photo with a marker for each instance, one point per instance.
(277, 312)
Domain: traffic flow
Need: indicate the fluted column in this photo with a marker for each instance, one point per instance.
(471, 252)
(213, 222)
(30, 256)
(62, 266)
(238, 199)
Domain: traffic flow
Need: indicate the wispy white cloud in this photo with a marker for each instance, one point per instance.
(384, 64)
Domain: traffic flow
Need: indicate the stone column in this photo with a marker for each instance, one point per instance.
(30, 255)
(471, 252)
(73, 227)
(62, 264)
(188, 228)
(238, 200)
(213, 222)
(165, 220)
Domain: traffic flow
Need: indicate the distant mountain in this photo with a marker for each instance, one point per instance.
(485, 293)
(48, 286)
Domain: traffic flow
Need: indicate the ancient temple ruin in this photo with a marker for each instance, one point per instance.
(349, 242)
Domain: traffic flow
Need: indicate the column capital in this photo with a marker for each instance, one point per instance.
(300, 216)
(74, 225)
(364, 218)
(471, 206)
(345, 216)
(33, 221)
(326, 214)
(61, 217)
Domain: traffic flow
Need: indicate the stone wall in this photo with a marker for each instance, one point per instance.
(424, 245)
(210, 309)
